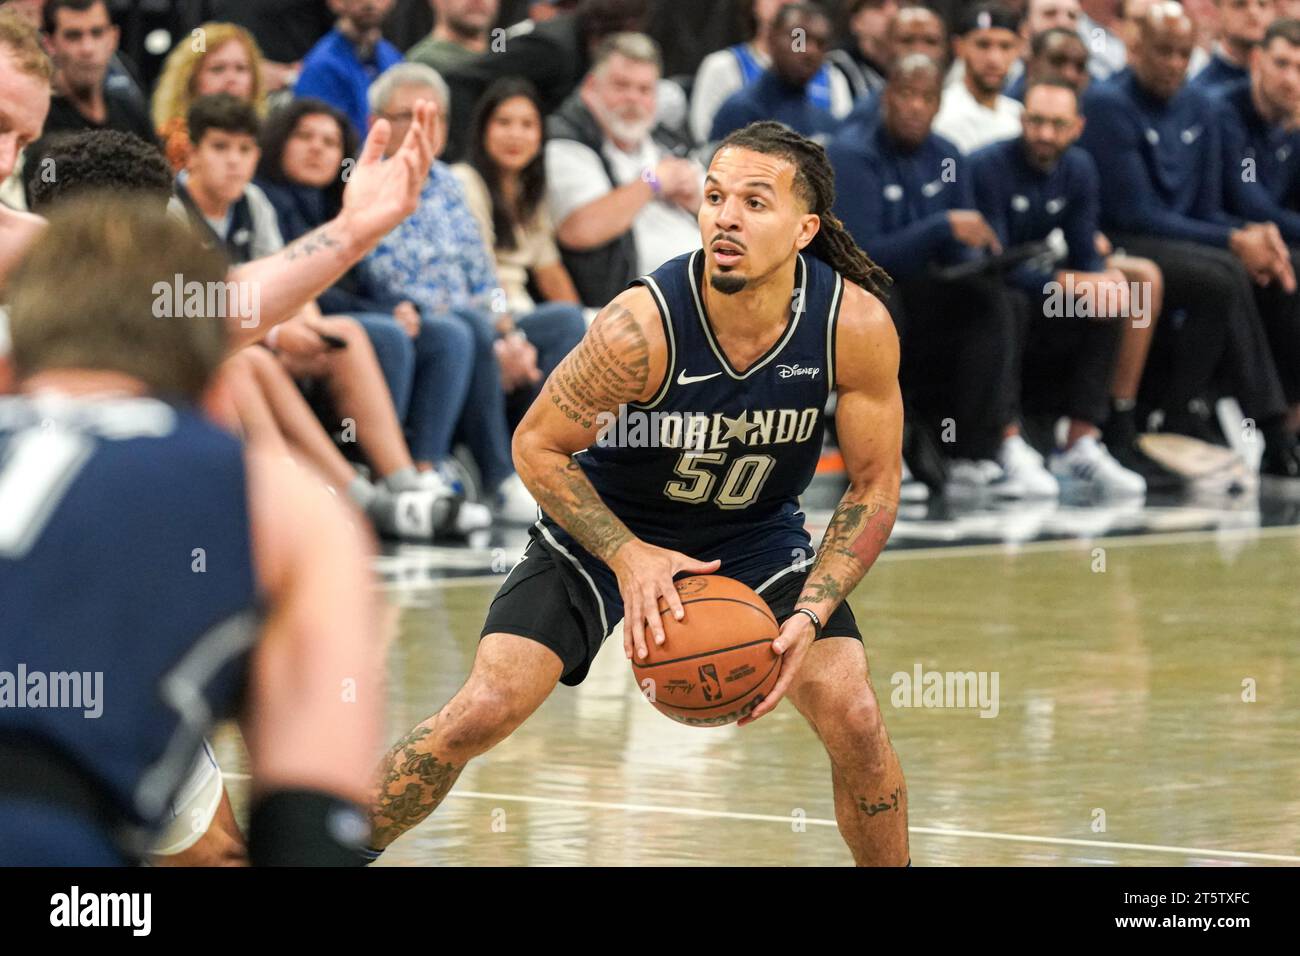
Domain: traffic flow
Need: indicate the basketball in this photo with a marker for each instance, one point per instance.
(716, 664)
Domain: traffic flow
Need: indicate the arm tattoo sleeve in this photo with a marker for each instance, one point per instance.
(608, 369)
(854, 539)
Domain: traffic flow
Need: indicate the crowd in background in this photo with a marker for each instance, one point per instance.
(1088, 208)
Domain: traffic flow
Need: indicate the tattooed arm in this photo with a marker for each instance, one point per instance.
(869, 423)
(623, 358)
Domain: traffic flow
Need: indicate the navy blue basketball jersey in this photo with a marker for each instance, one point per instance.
(713, 465)
(127, 587)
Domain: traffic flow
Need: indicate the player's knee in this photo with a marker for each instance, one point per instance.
(484, 718)
(856, 735)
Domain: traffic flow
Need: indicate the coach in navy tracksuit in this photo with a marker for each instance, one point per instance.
(906, 197)
(1156, 143)
(781, 92)
(1261, 155)
(1241, 26)
(1027, 187)
(1261, 162)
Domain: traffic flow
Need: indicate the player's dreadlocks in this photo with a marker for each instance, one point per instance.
(815, 181)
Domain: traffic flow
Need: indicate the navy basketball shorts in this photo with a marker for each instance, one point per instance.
(550, 599)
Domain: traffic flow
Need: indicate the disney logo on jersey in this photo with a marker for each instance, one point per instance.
(793, 371)
(706, 431)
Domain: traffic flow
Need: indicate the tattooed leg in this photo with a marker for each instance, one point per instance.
(834, 694)
(512, 676)
(411, 786)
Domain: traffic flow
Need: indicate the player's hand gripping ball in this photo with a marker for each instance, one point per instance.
(716, 664)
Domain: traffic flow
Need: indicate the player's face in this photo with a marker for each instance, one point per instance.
(1051, 123)
(1277, 76)
(514, 134)
(989, 55)
(82, 43)
(227, 69)
(24, 103)
(313, 154)
(752, 220)
(222, 164)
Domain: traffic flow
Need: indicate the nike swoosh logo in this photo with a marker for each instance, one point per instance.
(684, 379)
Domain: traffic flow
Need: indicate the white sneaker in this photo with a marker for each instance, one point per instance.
(968, 477)
(1026, 475)
(911, 490)
(514, 505)
(1088, 467)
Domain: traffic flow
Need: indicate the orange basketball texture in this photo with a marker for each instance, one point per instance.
(717, 663)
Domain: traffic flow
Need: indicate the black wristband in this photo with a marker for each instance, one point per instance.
(817, 622)
(306, 828)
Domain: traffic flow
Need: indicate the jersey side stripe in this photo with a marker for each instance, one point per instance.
(832, 323)
(600, 604)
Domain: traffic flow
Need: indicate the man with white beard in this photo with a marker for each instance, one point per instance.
(622, 197)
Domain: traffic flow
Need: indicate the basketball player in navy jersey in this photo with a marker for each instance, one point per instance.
(739, 345)
(160, 576)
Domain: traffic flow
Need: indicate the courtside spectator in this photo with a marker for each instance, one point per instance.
(913, 29)
(216, 186)
(1056, 52)
(1241, 26)
(725, 72)
(1157, 148)
(781, 91)
(1039, 16)
(1261, 164)
(975, 112)
(307, 146)
(285, 30)
(863, 58)
(219, 58)
(437, 260)
(82, 39)
(553, 55)
(1101, 26)
(621, 200)
(505, 185)
(1026, 188)
(342, 65)
(907, 197)
(460, 33)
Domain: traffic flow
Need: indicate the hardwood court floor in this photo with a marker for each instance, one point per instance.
(1120, 703)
